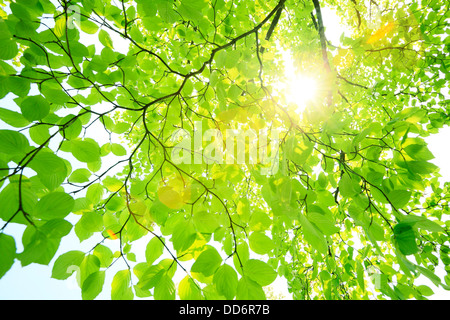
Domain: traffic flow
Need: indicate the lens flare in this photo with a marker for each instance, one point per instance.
(301, 90)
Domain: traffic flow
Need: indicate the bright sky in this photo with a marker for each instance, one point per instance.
(34, 282)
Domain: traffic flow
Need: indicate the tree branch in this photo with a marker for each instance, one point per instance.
(275, 21)
(323, 39)
(323, 44)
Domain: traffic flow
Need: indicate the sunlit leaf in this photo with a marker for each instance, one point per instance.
(34, 107)
(259, 272)
(189, 290)
(207, 262)
(93, 285)
(226, 281)
(54, 205)
(85, 150)
(8, 250)
(121, 286)
(12, 142)
(66, 264)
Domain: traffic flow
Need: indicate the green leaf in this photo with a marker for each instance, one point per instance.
(95, 193)
(325, 275)
(375, 231)
(147, 8)
(93, 285)
(105, 39)
(313, 235)
(118, 150)
(134, 230)
(419, 152)
(104, 255)
(151, 277)
(192, 9)
(8, 49)
(429, 225)
(86, 150)
(226, 281)
(444, 255)
(80, 176)
(159, 212)
(19, 86)
(71, 127)
(260, 243)
(107, 122)
(54, 205)
(121, 127)
(153, 250)
(89, 223)
(115, 203)
(241, 256)
(405, 238)
(54, 93)
(112, 184)
(56, 228)
(121, 286)
(66, 264)
(248, 289)
(105, 149)
(425, 290)
(233, 57)
(323, 222)
(422, 223)
(259, 221)
(35, 108)
(12, 142)
(260, 272)
(348, 187)
(13, 118)
(205, 221)
(88, 26)
(40, 134)
(165, 289)
(60, 27)
(51, 170)
(183, 236)
(38, 248)
(4, 31)
(7, 253)
(188, 290)
(88, 266)
(430, 275)
(399, 198)
(360, 275)
(419, 167)
(207, 262)
(166, 11)
(9, 203)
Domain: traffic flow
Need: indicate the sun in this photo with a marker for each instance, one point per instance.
(301, 89)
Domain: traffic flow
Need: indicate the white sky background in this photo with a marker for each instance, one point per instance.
(34, 282)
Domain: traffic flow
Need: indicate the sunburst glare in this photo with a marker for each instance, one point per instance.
(299, 88)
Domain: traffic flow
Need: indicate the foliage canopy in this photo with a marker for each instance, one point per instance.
(355, 199)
